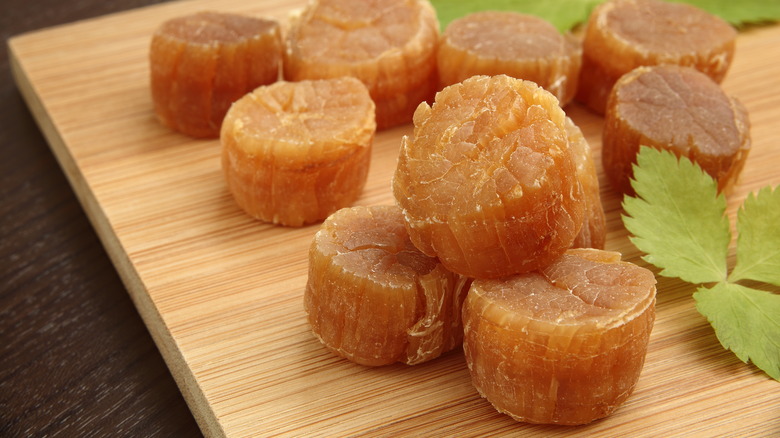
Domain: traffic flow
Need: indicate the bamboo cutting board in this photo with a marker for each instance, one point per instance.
(222, 294)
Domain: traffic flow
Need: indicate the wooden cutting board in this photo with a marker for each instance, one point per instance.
(222, 294)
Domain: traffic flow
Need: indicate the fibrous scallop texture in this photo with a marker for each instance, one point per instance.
(373, 298)
(624, 34)
(562, 345)
(518, 45)
(295, 152)
(201, 63)
(390, 45)
(487, 182)
(677, 109)
(593, 233)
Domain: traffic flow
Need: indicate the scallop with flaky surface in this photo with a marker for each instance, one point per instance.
(518, 45)
(593, 233)
(390, 45)
(563, 345)
(487, 182)
(295, 152)
(678, 109)
(201, 63)
(373, 298)
(624, 34)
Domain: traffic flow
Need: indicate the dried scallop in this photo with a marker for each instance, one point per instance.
(624, 34)
(390, 45)
(295, 152)
(518, 45)
(201, 63)
(678, 109)
(487, 182)
(562, 345)
(373, 298)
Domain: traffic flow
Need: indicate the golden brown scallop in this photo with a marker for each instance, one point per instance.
(624, 34)
(593, 233)
(201, 63)
(295, 152)
(562, 345)
(487, 182)
(375, 299)
(390, 45)
(678, 109)
(518, 45)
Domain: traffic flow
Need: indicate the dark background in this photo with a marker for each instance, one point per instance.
(75, 358)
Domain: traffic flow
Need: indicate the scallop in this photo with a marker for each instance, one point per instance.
(564, 344)
(201, 63)
(373, 298)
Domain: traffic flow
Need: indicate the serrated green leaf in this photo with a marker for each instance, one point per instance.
(740, 12)
(677, 218)
(565, 14)
(746, 321)
(758, 238)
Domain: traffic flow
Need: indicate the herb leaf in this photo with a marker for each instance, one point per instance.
(742, 12)
(678, 219)
(565, 14)
(746, 321)
(758, 244)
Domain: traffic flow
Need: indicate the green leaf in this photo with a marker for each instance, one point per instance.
(758, 241)
(740, 12)
(565, 14)
(677, 218)
(746, 321)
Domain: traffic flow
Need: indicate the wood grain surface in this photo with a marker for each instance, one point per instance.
(221, 293)
(76, 360)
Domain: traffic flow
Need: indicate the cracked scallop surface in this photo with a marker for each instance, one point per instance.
(518, 45)
(677, 109)
(390, 45)
(624, 34)
(295, 152)
(487, 182)
(562, 345)
(593, 233)
(373, 298)
(201, 63)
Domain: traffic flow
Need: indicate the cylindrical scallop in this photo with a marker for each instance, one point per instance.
(373, 298)
(624, 34)
(518, 45)
(201, 63)
(593, 233)
(295, 152)
(487, 182)
(390, 45)
(564, 345)
(678, 109)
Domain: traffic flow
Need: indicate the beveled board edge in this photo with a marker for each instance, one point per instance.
(202, 411)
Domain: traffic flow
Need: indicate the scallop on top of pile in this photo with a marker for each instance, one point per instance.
(624, 34)
(390, 45)
(487, 182)
(593, 233)
(518, 45)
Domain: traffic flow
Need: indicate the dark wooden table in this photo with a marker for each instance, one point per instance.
(75, 358)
